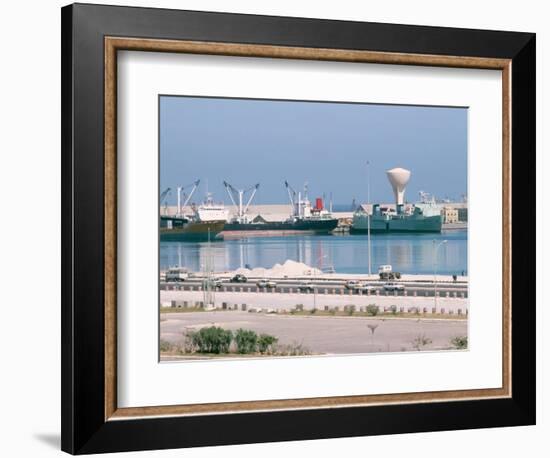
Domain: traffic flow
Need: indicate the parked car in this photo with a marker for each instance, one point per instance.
(352, 284)
(238, 278)
(365, 288)
(394, 287)
(306, 287)
(212, 282)
(265, 283)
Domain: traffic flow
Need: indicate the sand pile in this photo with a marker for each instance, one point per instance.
(288, 269)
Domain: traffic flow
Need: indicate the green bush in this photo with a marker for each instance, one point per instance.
(372, 309)
(211, 340)
(393, 309)
(266, 342)
(460, 342)
(246, 341)
(165, 346)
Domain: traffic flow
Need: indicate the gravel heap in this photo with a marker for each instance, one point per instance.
(288, 269)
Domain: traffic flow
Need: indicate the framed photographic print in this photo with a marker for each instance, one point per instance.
(271, 222)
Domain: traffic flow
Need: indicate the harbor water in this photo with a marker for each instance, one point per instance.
(407, 253)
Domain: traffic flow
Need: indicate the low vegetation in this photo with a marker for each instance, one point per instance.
(214, 340)
(460, 342)
(420, 342)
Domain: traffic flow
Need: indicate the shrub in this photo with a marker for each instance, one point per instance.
(246, 341)
(393, 309)
(460, 342)
(266, 342)
(313, 311)
(211, 340)
(165, 346)
(372, 309)
(421, 341)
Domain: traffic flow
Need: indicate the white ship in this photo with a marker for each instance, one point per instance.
(211, 211)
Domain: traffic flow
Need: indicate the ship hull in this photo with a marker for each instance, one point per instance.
(192, 231)
(411, 224)
(279, 229)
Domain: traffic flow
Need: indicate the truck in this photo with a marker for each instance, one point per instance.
(386, 272)
(176, 274)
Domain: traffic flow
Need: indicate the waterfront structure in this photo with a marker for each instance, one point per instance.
(450, 215)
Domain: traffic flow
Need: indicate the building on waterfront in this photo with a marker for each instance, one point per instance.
(450, 215)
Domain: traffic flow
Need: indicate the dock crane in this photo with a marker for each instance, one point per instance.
(297, 205)
(163, 197)
(182, 195)
(237, 195)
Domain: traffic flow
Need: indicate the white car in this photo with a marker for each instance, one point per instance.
(265, 283)
(394, 287)
(352, 284)
(365, 288)
(212, 282)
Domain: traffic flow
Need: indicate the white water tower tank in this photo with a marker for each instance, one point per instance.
(398, 179)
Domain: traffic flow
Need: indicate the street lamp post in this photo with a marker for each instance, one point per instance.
(368, 216)
(434, 260)
(314, 285)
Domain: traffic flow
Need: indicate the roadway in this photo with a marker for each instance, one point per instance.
(422, 289)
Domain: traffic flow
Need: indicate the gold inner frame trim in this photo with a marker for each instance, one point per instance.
(114, 44)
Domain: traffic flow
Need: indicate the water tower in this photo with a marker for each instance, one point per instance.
(398, 179)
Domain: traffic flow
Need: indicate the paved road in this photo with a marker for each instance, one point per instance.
(321, 334)
(289, 287)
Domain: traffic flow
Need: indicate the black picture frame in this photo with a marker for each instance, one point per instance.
(84, 428)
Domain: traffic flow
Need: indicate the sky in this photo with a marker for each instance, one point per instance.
(325, 144)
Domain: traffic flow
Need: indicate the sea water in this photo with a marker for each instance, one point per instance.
(406, 253)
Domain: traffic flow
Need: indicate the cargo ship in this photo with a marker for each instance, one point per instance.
(205, 223)
(305, 218)
(384, 219)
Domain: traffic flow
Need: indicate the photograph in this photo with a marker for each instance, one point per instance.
(307, 228)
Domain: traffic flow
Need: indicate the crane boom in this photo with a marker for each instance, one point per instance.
(291, 193)
(164, 194)
(195, 186)
(254, 188)
(237, 198)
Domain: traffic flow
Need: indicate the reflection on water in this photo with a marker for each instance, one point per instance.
(407, 253)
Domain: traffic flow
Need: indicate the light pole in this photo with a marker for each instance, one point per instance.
(434, 260)
(368, 216)
(314, 285)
